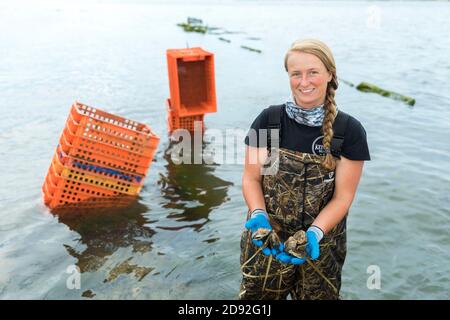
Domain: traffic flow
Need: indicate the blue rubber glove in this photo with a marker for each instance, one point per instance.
(313, 235)
(259, 219)
(285, 257)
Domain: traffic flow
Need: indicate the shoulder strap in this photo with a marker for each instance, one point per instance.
(339, 126)
(274, 113)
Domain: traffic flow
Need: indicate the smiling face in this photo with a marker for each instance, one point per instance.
(308, 78)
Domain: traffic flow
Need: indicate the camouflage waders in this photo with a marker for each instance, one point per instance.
(294, 196)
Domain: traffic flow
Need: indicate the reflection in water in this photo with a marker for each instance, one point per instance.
(104, 232)
(192, 188)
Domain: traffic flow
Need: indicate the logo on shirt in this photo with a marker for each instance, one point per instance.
(329, 177)
(317, 146)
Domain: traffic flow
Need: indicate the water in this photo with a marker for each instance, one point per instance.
(181, 240)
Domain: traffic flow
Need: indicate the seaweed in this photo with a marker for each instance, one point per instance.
(223, 39)
(346, 82)
(368, 87)
(193, 28)
(251, 49)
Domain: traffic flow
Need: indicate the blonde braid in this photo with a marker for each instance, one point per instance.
(327, 127)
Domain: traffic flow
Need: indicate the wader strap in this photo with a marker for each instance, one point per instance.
(274, 123)
(339, 126)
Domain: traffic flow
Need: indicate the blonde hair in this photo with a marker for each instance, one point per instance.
(321, 51)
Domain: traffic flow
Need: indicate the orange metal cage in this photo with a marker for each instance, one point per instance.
(192, 83)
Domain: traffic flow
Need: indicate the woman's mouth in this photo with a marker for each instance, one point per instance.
(306, 91)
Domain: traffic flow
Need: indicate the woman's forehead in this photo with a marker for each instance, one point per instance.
(304, 61)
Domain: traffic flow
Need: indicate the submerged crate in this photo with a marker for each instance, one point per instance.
(101, 160)
(97, 178)
(106, 171)
(191, 80)
(75, 194)
(190, 123)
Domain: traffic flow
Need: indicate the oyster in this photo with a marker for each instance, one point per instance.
(296, 244)
(261, 233)
(268, 236)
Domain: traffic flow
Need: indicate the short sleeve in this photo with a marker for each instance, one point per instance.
(355, 145)
(257, 134)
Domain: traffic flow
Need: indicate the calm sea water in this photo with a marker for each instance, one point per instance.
(181, 240)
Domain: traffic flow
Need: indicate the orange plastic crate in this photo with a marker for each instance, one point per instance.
(83, 122)
(101, 160)
(95, 121)
(112, 173)
(131, 154)
(188, 123)
(66, 189)
(93, 179)
(73, 194)
(104, 154)
(77, 189)
(192, 83)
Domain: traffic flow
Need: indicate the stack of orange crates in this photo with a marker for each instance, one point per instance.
(101, 161)
(192, 87)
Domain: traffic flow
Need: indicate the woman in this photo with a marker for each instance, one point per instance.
(316, 161)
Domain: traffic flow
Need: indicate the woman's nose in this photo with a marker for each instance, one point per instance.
(304, 81)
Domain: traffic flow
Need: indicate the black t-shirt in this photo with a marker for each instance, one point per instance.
(302, 138)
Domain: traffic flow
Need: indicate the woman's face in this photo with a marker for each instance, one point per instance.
(309, 78)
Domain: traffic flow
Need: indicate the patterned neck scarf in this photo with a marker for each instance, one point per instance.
(311, 117)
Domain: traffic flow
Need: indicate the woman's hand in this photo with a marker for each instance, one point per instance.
(313, 236)
(259, 220)
(312, 245)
